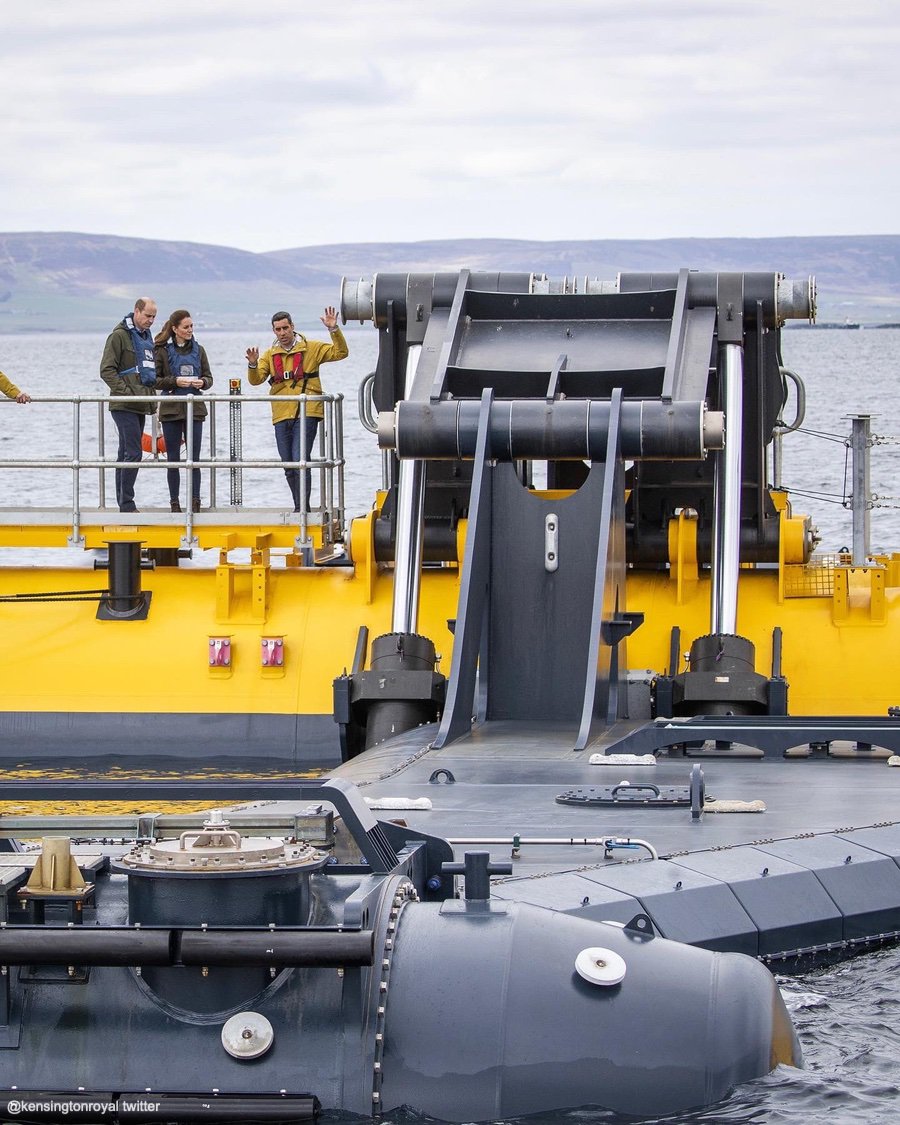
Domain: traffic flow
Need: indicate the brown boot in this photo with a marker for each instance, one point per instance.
(195, 504)
(175, 506)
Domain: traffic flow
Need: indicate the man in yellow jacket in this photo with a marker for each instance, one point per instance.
(291, 367)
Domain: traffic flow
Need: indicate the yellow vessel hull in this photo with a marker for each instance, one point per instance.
(840, 641)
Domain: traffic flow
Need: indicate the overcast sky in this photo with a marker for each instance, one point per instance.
(268, 124)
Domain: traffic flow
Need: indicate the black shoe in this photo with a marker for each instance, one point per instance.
(175, 505)
(195, 504)
(129, 511)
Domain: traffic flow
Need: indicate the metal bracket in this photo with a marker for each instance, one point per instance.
(641, 925)
(641, 795)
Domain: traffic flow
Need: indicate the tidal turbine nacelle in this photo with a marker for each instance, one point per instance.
(500, 1009)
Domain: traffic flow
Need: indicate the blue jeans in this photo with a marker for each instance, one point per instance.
(287, 438)
(174, 432)
(130, 425)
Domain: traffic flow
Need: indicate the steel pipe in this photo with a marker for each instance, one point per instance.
(573, 430)
(409, 528)
(82, 945)
(726, 555)
(311, 948)
(781, 298)
(124, 946)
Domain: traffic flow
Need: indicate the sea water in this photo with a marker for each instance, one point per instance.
(845, 372)
(848, 1016)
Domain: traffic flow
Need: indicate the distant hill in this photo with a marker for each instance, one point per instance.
(70, 281)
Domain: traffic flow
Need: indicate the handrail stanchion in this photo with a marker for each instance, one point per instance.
(339, 455)
(304, 483)
(76, 540)
(189, 451)
(101, 443)
(234, 443)
(213, 451)
(325, 476)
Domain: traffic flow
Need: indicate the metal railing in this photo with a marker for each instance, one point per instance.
(326, 460)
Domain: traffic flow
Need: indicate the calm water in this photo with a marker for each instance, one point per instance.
(848, 1017)
(845, 372)
(61, 364)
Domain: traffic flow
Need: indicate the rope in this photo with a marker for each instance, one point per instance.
(69, 596)
(823, 435)
(825, 497)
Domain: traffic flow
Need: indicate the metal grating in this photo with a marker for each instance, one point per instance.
(814, 579)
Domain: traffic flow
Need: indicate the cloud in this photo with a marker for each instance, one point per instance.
(287, 124)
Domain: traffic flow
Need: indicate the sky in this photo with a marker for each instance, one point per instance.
(291, 123)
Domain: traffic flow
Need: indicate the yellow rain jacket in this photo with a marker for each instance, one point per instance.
(304, 357)
(8, 387)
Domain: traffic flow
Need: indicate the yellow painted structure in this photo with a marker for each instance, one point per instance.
(57, 656)
(841, 624)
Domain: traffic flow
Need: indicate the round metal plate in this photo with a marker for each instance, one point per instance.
(247, 1035)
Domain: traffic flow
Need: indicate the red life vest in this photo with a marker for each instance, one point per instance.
(295, 376)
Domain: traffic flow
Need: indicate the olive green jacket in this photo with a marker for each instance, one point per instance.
(118, 356)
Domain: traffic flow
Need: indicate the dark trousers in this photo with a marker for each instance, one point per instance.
(287, 438)
(175, 431)
(130, 425)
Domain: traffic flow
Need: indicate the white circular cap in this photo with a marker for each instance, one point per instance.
(247, 1035)
(600, 966)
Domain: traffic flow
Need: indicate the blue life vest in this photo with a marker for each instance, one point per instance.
(142, 342)
(184, 364)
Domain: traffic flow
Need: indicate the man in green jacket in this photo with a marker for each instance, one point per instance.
(128, 368)
(291, 367)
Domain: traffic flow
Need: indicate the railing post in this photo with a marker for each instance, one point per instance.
(234, 444)
(213, 451)
(338, 416)
(305, 480)
(861, 495)
(75, 539)
(303, 541)
(189, 451)
(101, 442)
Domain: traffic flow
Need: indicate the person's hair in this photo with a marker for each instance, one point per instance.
(282, 316)
(168, 328)
(141, 303)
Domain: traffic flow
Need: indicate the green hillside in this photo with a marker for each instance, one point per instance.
(68, 281)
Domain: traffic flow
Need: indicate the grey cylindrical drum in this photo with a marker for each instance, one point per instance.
(486, 1016)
